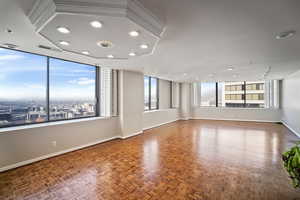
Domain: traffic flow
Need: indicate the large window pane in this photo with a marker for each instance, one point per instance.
(154, 86)
(255, 97)
(72, 90)
(208, 94)
(23, 79)
(146, 93)
(233, 94)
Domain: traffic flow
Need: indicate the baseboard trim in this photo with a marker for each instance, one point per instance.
(157, 125)
(26, 162)
(131, 135)
(239, 120)
(290, 128)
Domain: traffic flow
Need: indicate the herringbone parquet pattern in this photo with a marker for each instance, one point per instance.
(194, 159)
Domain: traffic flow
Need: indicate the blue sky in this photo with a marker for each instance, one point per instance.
(23, 76)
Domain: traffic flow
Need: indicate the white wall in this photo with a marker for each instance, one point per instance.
(131, 101)
(159, 117)
(165, 114)
(291, 102)
(185, 101)
(31, 143)
(240, 114)
(164, 94)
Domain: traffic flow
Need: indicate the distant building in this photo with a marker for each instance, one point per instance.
(234, 94)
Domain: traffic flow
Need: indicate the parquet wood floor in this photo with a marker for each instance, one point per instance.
(196, 159)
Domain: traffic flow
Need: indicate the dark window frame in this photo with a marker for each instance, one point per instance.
(97, 92)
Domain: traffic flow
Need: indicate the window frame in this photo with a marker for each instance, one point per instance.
(150, 94)
(97, 91)
(243, 97)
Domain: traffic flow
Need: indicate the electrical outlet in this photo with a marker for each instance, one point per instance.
(54, 143)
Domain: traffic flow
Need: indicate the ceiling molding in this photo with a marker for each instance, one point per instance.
(44, 10)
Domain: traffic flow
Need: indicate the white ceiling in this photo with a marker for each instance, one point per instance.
(202, 39)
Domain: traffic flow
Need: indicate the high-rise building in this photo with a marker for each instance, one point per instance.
(235, 95)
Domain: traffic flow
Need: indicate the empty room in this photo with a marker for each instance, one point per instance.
(149, 100)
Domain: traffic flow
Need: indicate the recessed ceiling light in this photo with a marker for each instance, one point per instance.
(230, 68)
(110, 56)
(105, 44)
(285, 34)
(63, 29)
(96, 24)
(65, 43)
(132, 54)
(134, 33)
(144, 46)
(85, 52)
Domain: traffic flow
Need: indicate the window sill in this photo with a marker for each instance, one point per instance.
(234, 108)
(160, 110)
(29, 126)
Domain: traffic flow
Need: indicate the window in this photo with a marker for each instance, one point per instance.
(150, 93)
(208, 94)
(72, 90)
(254, 94)
(36, 89)
(23, 79)
(146, 93)
(154, 93)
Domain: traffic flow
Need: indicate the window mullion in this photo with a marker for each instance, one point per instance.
(97, 92)
(48, 89)
(245, 94)
(157, 93)
(217, 94)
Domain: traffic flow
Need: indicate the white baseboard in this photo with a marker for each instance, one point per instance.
(26, 162)
(290, 128)
(239, 120)
(157, 125)
(131, 135)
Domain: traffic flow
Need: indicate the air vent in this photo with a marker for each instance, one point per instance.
(9, 45)
(48, 48)
(105, 44)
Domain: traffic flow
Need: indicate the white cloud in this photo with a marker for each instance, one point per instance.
(2, 77)
(35, 86)
(82, 81)
(10, 57)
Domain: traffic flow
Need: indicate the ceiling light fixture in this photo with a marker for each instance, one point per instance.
(63, 30)
(85, 53)
(96, 24)
(110, 56)
(285, 34)
(105, 44)
(144, 46)
(229, 68)
(134, 33)
(65, 43)
(132, 54)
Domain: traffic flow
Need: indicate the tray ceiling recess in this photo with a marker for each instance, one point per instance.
(101, 29)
